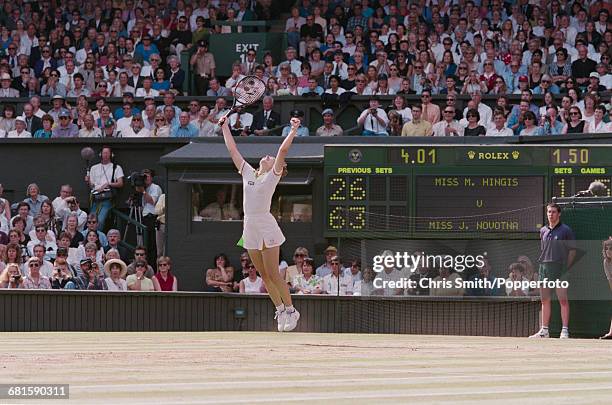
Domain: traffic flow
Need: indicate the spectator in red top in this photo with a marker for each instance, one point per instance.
(164, 280)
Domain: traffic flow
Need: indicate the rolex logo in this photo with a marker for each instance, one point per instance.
(516, 154)
(471, 154)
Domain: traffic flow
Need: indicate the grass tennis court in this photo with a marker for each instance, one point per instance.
(251, 367)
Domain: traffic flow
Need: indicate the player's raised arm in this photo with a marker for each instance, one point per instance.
(230, 143)
(279, 163)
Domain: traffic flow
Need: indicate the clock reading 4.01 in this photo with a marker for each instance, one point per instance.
(413, 156)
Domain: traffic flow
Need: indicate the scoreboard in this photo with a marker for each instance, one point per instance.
(453, 191)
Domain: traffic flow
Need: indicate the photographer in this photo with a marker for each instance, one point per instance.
(104, 179)
(374, 120)
(91, 279)
(62, 278)
(550, 124)
(150, 193)
(72, 207)
(11, 277)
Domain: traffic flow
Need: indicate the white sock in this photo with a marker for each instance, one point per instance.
(565, 328)
(280, 308)
(290, 309)
(545, 328)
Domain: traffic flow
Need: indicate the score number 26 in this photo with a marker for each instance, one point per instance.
(338, 188)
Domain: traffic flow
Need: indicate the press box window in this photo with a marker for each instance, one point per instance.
(218, 196)
(216, 202)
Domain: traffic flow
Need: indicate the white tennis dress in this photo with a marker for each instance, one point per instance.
(260, 227)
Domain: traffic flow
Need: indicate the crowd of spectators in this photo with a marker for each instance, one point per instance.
(340, 277)
(90, 50)
(54, 244)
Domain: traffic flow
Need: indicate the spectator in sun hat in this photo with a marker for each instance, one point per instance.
(325, 269)
(5, 86)
(302, 131)
(20, 129)
(115, 270)
(329, 128)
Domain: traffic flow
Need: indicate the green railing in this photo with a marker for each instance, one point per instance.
(123, 222)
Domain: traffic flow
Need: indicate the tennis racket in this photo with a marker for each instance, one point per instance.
(246, 92)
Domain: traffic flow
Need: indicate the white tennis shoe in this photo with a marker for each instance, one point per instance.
(281, 317)
(541, 334)
(564, 334)
(292, 320)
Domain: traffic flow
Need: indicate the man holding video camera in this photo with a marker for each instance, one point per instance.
(150, 193)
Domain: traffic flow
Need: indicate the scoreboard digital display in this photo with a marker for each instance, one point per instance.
(449, 191)
(479, 203)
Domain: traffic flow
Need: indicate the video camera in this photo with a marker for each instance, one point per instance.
(136, 179)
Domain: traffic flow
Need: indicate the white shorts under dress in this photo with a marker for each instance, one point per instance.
(260, 226)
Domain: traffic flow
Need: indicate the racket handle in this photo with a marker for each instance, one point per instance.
(230, 112)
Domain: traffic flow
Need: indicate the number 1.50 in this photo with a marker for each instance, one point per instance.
(572, 156)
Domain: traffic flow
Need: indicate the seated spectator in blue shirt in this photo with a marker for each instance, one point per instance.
(146, 48)
(128, 98)
(184, 129)
(302, 131)
(546, 84)
(216, 90)
(65, 128)
(160, 83)
(313, 89)
(516, 121)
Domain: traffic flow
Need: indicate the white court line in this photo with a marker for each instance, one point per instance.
(382, 395)
(331, 381)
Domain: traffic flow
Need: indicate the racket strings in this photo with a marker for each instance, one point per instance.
(249, 90)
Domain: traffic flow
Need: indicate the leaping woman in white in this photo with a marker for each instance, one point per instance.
(261, 234)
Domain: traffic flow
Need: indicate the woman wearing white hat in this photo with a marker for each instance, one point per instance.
(20, 129)
(116, 269)
(261, 234)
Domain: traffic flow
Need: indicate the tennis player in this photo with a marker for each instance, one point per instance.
(261, 234)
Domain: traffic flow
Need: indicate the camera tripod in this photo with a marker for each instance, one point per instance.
(135, 215)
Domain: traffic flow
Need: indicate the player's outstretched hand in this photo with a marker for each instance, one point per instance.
(222, 121)
(295, 123)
